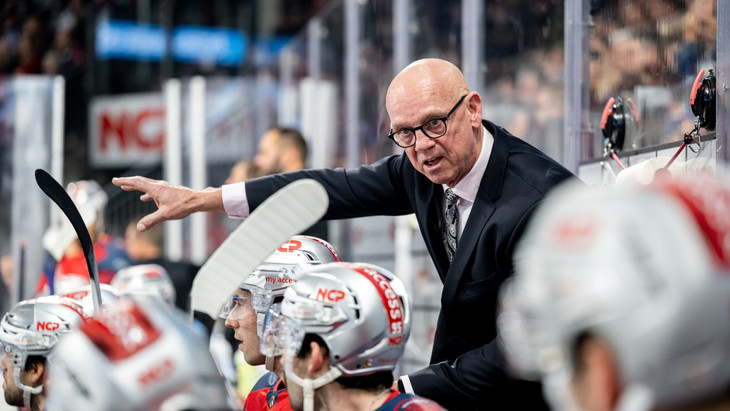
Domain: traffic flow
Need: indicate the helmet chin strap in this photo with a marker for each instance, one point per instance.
(308, 384)
(27, 391)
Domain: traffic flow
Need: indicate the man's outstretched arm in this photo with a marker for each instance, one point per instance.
(173, 202)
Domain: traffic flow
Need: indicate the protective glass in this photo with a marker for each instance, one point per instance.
(260, 298)
(234, 308)
(434, 128)
(281, 334)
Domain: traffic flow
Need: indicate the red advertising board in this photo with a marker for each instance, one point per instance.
(127, 130)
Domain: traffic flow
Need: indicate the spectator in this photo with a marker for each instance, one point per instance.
(282, 150)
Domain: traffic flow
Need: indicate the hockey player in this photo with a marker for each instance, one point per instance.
(145, 279)
(247, 309)
(620, 300)
(28, 334)
(139, 354)
(342, 329)
(68, 269)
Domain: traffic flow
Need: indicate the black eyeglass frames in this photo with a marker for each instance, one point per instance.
(434, 128)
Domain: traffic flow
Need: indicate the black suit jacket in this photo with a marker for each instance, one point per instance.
(467, 370)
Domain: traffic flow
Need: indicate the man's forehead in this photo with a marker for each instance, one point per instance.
(242, 293)
(413, 112)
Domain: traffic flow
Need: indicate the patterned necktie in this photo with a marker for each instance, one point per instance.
(451, 217)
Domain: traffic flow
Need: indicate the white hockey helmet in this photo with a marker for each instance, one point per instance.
(271, 278)
(361, 311)
(138, 354)
(646, 270)
(145, 279)
(33, 328)
(90, 199)
(82, 294)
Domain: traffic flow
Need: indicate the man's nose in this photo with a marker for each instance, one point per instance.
(423, 141)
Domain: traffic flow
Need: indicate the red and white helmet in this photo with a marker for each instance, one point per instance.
(90, 199)
(145, 279)
(273, 276)
(34, 328)
(361, 311)
(139, 354)
(646, 270)
(83, 296)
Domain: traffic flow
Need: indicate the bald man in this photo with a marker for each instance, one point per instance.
(472, 186)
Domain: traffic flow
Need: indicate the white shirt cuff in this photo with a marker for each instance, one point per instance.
(234, 200)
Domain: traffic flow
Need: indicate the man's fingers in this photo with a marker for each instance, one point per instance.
(146, 197)
(132, 183)
(149, 221)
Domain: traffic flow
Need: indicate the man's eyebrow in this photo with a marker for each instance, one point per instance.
(423, 119)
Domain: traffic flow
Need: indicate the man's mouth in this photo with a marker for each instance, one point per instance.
(431, 162)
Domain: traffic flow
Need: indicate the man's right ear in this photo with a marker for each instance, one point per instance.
(318, 359)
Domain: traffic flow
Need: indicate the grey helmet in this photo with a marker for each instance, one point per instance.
(145, 279)
(274, 275)
(138, 354)
(361, 311)
(646, 270)
(34, 328)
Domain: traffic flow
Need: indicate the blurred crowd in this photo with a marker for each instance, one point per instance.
(42, 37)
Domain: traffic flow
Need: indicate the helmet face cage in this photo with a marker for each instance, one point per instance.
(361, 311)
(271, 278)
(645, 281)
(139, 354)
(281, 333)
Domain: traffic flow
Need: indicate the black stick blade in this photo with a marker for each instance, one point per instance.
(58, 195)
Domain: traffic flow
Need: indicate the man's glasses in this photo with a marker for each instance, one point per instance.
(434, 128)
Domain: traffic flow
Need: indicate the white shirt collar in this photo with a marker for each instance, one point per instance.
(468, 187)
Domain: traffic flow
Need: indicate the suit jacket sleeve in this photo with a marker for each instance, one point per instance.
(368, 190)
(476, 380)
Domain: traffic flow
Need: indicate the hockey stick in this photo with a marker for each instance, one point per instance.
(287, 212)
(56, 192)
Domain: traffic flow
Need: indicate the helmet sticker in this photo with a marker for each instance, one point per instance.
(391, 302)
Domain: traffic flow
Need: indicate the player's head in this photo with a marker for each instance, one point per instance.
(339, 322)
(138, 354)
(28, 333)
(145, 279)
(281, 149)
(246, 310)
(623, 297)
(91, 200)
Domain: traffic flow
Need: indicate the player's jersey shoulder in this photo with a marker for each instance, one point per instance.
(268, 394)
(409, 402)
